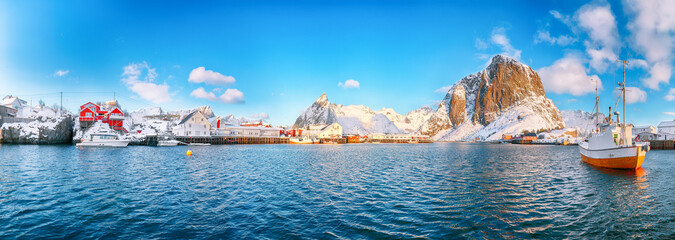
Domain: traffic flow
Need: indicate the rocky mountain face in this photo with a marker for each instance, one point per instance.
(359, 119)
(506, 97)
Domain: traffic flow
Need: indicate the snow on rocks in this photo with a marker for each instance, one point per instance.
(38, 125)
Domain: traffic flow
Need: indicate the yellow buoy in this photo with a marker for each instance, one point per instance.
(189, 153)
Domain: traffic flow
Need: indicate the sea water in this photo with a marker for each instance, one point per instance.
(351, 191)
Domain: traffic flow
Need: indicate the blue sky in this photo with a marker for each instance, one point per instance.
(276, 58)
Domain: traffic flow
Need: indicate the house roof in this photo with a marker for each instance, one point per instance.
(11, 99)
(643, 126)
(667, 124)
(192, 114)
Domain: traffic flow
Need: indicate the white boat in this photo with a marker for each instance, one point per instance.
(199, 144)
(302, 140)
(612, 146)
(103, 140)
(167, 140)
(168, 143)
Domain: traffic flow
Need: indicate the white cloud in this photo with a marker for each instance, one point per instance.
(480, 44)
(61, 73)
(499, 37)
(671, 95)
(350, 83)
(545, 36)
(144, 86)
(443, 89)
(203, 94)
(653, 32)
(568, 75)
(230, 95)
(201, 75)
(599, 23)
(637, 63)
(567, 20)
(260, 116)
(669, 113)
(633, 95)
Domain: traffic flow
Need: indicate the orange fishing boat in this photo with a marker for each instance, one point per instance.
(612, 145)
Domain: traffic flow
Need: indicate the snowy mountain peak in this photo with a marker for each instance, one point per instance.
(506, 97)
(322, 100)
(502, 59)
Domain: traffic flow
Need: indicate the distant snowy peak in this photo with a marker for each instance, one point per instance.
(359, 119)
(584, 122)
(142, 114)
(320, 112)
(205, 110)
(322, 101)
(499, 98)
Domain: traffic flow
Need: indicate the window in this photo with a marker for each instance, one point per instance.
(189, 125)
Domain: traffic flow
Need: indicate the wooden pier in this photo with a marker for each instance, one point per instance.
(521, 141)
(332, 140)
(221, 140)
(662, 144)
(400, 141)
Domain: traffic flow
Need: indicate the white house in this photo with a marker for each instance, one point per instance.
(13, 102)
(644, 129)
(667, 129)
(246, 131)
(194, 124)
(324, 131)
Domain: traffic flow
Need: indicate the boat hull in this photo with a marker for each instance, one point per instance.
(630, 157)
(170, 143)
(116, 143)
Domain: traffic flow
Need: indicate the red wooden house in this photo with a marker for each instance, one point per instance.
(91, 113)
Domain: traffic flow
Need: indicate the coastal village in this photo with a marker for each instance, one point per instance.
(202, 126)
(196, 126)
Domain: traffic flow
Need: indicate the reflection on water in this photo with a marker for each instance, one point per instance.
(442, 190)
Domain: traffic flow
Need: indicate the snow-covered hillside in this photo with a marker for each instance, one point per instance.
(359, 119)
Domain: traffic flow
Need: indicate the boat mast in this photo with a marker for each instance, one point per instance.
(597, 103)
(623, 93)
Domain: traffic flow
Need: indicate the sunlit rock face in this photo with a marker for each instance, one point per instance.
(506, 97)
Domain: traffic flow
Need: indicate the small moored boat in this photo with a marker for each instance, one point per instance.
(167, 140)
(199, 144)
(168, 143)
(103, 140)
(302, 140)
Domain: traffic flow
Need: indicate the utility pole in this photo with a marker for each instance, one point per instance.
(61, 110)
